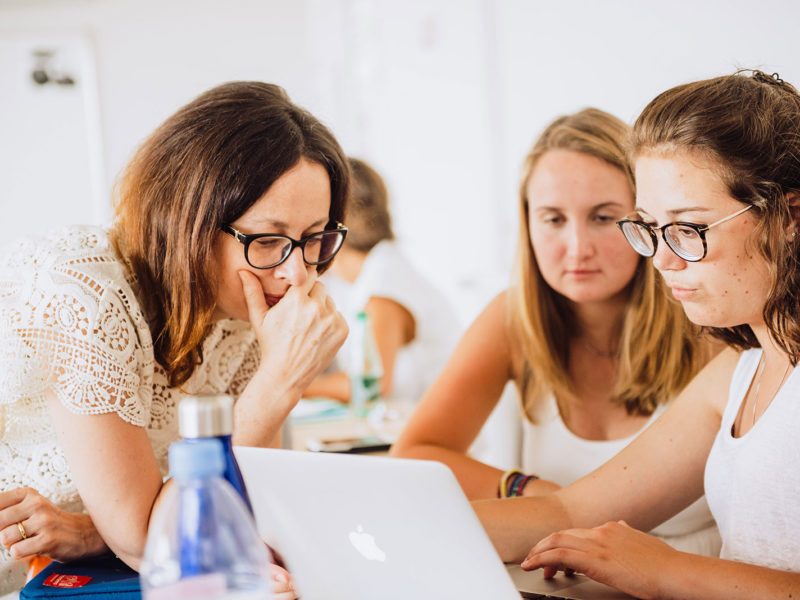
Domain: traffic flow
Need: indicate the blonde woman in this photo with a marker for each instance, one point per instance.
(586, 332)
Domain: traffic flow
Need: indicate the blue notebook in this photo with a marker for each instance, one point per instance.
(98, 577)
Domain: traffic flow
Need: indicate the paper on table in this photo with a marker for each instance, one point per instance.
(308, 409)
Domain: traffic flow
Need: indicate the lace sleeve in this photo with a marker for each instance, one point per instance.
(82, 339)
(246, 370)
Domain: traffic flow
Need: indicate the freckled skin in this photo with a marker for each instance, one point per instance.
(687, 187)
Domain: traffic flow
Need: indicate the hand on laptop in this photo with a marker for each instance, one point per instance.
(614, 554)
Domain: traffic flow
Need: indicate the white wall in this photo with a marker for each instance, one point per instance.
(443, 96)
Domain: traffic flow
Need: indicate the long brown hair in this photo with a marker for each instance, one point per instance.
(748, 124)
(659, 351)
(204, 167)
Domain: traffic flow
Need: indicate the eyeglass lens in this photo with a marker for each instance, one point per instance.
(686, 242)
(317, 248)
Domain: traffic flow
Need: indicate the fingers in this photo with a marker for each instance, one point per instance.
(558, 559)
(14, 514)
(17, 505)
(16, 532)
(550, 572)
(24, 549)
(560, 551)
(20, 539)
(318, 291)
(308, 285)
(12, 497)
(281, 584)
(253, 297)
(304, 289)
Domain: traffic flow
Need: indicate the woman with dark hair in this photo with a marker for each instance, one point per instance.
(717, 166)
(586, 332)
(206, 283)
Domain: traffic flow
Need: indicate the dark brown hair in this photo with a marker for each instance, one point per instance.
(748, 124)
(204, 167)
(368, 218)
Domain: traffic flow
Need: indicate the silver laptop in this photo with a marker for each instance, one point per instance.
(374, 528)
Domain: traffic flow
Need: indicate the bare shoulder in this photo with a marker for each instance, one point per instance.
(497, 305)
(494, 316)
(499, 314)
(493, 323)
(712, 384)
(486, 341)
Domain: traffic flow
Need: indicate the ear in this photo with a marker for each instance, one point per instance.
(793, 229)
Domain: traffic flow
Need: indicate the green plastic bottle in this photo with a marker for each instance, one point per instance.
(366, 368)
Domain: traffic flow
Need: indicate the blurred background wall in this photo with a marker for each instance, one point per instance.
(444, 97)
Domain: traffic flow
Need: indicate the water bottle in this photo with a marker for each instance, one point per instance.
(201, 417)
(366, 368)
(202, 541)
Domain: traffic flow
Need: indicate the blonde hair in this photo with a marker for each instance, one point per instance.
(659, 349)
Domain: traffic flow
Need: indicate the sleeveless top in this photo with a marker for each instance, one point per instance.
(753, 482)
(553, 452)
(70, 322)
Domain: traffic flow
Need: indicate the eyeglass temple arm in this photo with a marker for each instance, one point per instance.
(238, 235)
(729, 217)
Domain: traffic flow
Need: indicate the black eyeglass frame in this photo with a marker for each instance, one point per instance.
(699, 229)
(247, 239)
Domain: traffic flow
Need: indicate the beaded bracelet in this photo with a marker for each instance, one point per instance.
(513, 482)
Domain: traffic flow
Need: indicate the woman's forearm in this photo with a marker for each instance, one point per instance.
(330, 385)
(515, 525)
(261, 409)
(703, 578)
(478, 480)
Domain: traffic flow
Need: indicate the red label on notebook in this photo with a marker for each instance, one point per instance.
(58, 580)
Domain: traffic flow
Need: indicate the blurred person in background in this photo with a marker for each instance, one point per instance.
(412, 322)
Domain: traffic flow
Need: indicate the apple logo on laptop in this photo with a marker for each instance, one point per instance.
(365, 544)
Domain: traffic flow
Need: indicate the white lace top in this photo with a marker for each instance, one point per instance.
(70, 322)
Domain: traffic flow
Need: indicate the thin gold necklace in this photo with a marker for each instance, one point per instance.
(761, 364)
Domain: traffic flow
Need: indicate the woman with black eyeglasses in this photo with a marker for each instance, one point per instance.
(206, 283)
(717, 166)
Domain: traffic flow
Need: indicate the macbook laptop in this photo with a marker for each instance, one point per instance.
(374, 528)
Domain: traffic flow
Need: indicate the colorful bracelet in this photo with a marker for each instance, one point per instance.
(513, 482)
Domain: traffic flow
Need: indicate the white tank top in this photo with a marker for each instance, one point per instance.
(553, 452)
(753, 482)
